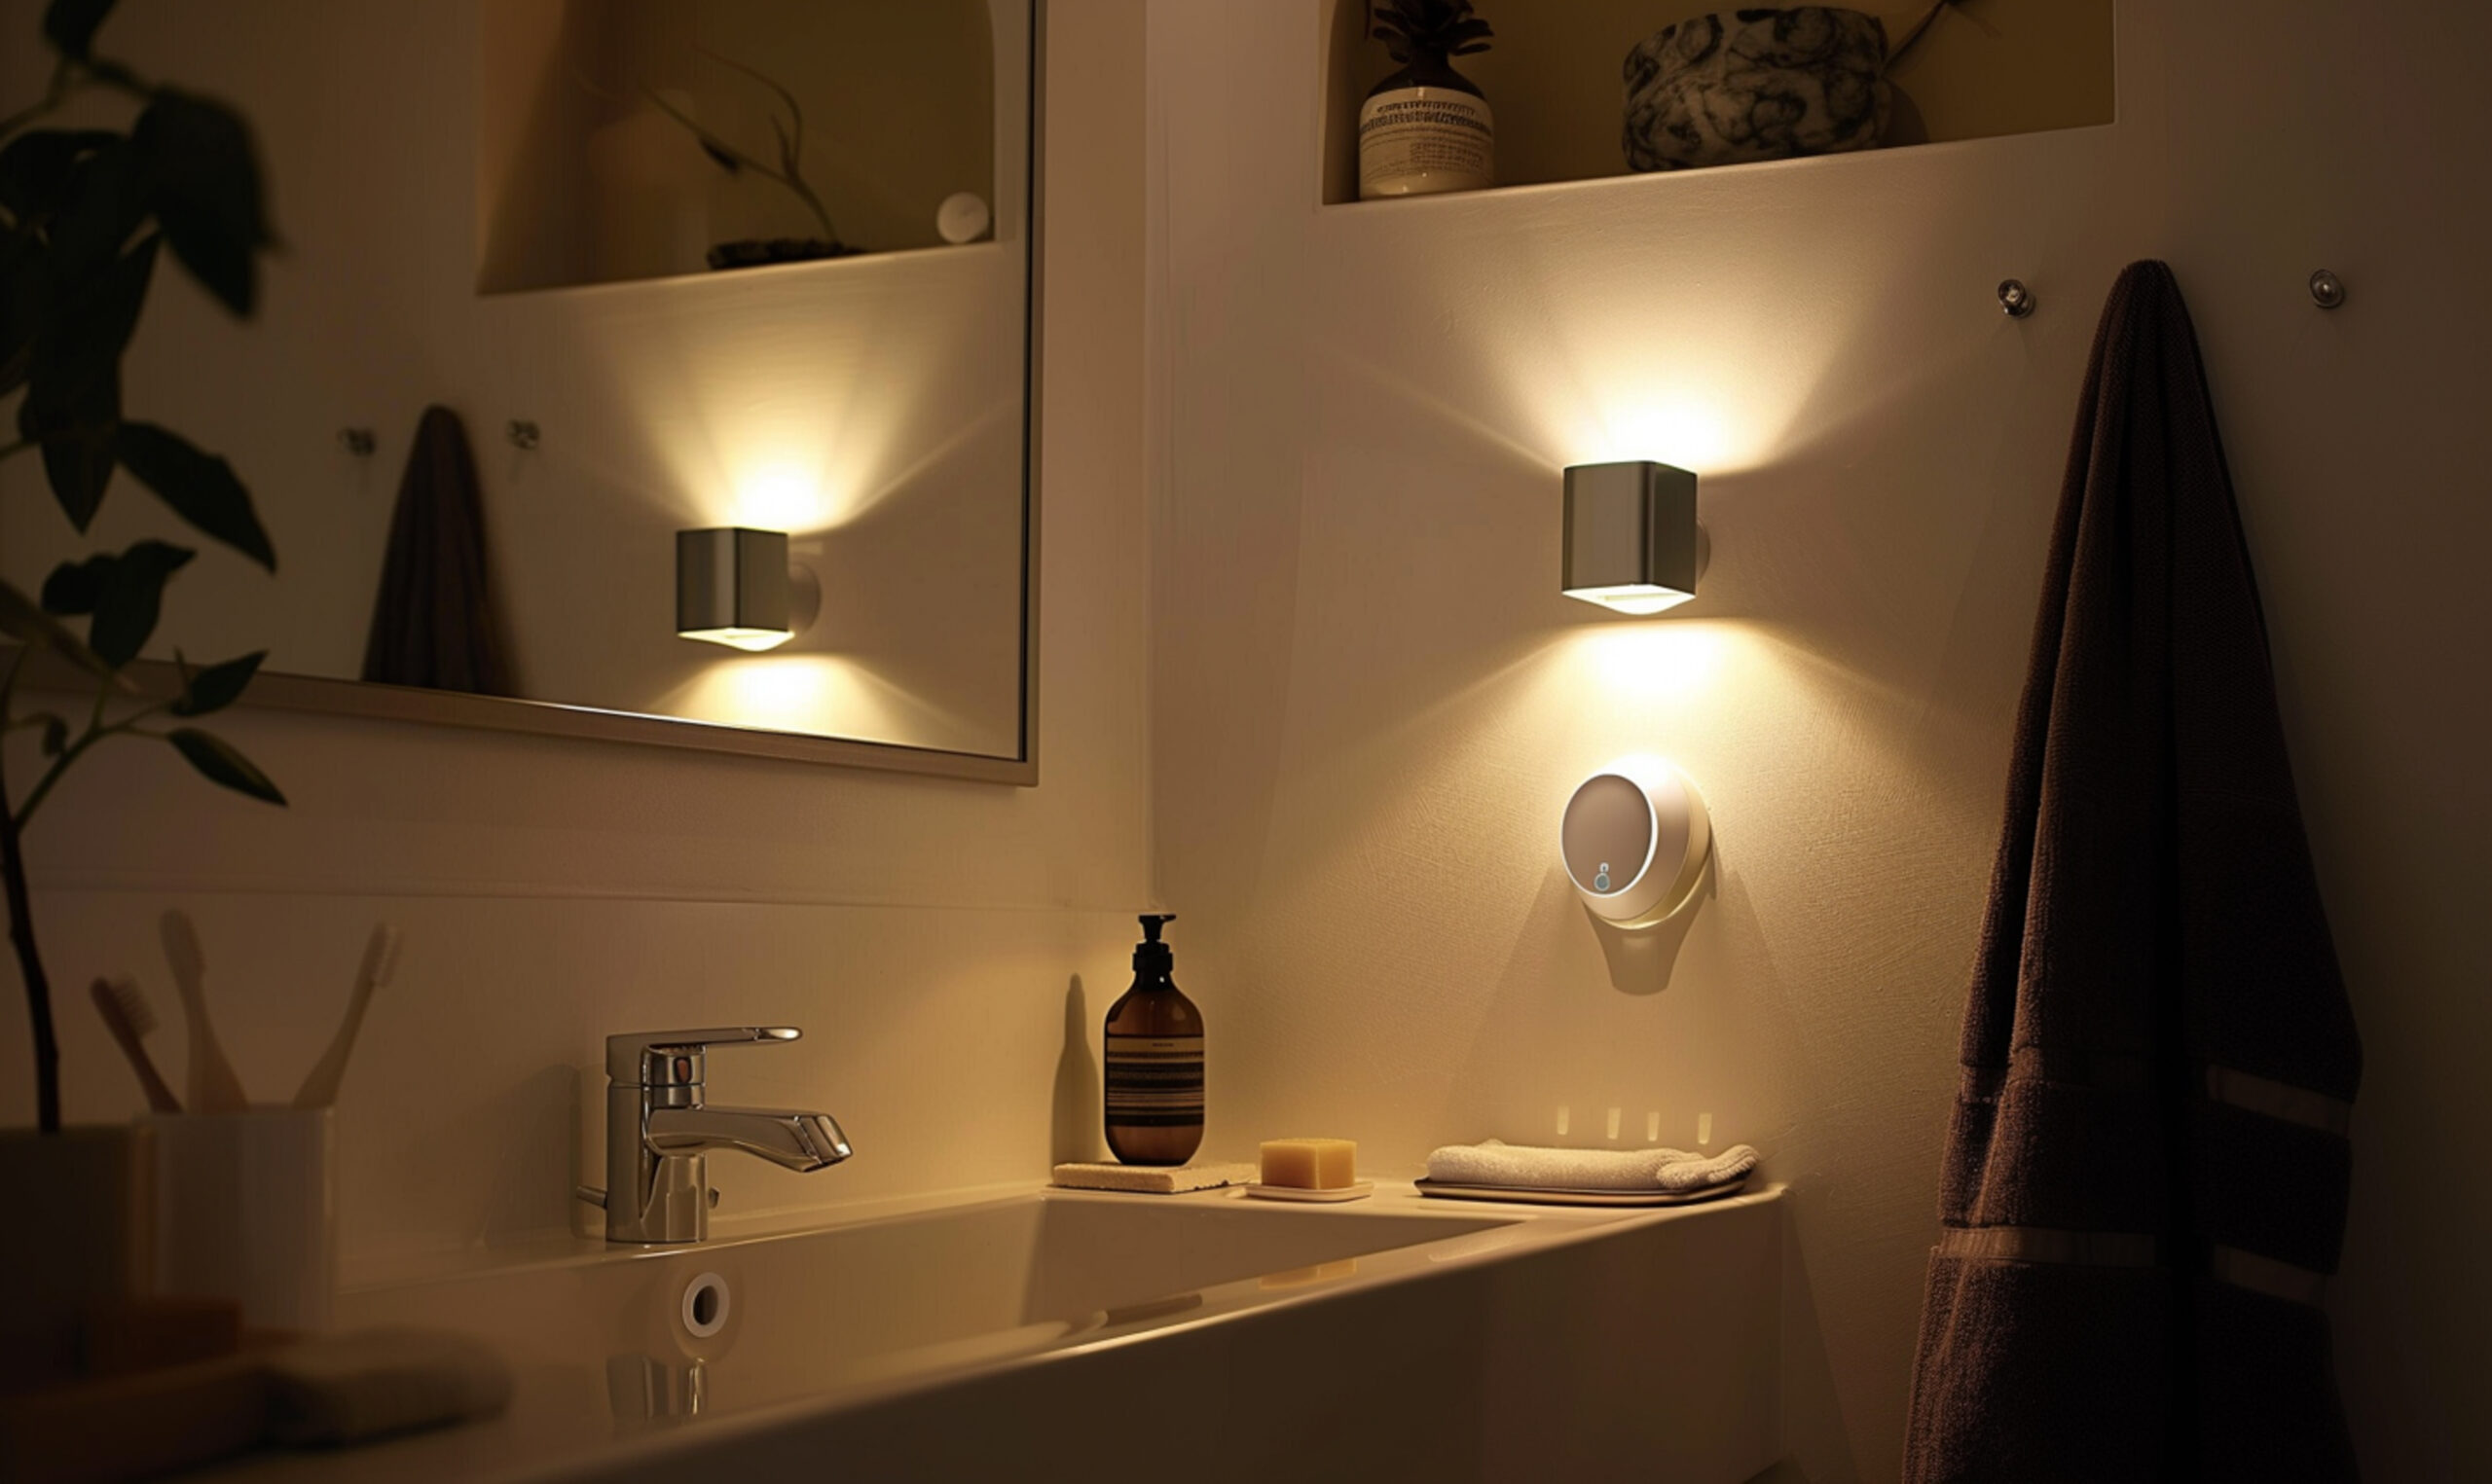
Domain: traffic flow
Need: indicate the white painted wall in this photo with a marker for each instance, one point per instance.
(1371, 701)
(926, 934)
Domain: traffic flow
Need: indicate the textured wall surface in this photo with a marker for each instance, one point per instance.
(1371, 701)
(925, 934)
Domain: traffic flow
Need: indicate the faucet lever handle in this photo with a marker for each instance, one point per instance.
(673, 1058)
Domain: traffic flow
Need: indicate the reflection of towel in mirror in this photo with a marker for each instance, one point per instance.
(1524, 1168)
(434, 623)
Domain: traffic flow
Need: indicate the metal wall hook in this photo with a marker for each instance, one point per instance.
(2015, 298)
(2326, 290)
(357, 441)
(522, 434)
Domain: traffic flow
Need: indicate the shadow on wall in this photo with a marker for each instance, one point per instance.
(1073, 1112)
(1642, 959)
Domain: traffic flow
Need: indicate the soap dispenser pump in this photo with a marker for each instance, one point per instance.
(1155, 1044)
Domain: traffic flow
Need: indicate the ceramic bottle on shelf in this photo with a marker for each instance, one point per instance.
(1426, 127)
(1154, 1061)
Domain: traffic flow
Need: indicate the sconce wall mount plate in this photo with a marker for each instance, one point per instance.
(1631, 541)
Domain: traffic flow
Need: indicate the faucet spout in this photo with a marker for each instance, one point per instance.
(660, 1130)
(792, 1140)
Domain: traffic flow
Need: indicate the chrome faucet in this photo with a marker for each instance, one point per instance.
(658, 1130)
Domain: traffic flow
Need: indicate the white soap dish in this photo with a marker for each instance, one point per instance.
(1353, 1192)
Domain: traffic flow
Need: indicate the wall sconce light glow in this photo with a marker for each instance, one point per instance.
(735, 586)
(1675, 426)
(1633, 544)
(782, 497)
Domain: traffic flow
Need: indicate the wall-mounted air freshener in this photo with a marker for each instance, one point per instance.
(1635, 839)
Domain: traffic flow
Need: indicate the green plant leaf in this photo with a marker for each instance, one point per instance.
(129, 597)
(21, 307)
(74, 587)
(200, 488)
(73, 391)
(203, 177)
(76, 446)
(218, 686)
(94, 314)
(21, 620)
(38, 166)
(70, 25)
(103, 204)
(218, 761)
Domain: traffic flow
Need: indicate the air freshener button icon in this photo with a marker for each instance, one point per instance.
(1601, 883)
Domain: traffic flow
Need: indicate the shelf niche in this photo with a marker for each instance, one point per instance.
(582, 179)
(1553, 77)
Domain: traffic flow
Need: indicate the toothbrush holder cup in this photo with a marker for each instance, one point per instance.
(246, 1210)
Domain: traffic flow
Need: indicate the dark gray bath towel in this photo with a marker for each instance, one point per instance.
(434, 623)
(2146, 1173)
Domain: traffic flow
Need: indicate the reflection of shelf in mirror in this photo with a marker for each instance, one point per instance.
(767, 273)
(625, 142)
(1553, 78)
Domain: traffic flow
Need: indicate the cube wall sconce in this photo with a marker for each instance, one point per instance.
(1632, 544)
(735, 586)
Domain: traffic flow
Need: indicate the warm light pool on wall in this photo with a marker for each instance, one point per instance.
(736, 586)
(1633, 544)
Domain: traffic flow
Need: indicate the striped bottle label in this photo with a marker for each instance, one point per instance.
(1156, 1081)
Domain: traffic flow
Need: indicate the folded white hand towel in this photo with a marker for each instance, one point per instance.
(1525, 1168)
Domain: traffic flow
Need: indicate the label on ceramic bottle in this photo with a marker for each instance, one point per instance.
(1414, 141)
(1155, 1081)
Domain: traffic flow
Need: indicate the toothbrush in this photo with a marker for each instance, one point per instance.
(129, 1018)
(214, 1089)
(380, 961)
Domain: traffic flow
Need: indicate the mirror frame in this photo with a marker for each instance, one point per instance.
(372, 701)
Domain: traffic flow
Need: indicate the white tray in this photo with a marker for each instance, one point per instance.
(1521, 1196)
(1359, 1192)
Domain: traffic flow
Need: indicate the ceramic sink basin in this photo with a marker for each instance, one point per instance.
(984, 1337)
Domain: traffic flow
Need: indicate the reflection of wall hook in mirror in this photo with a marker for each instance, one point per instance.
(524, 435)
(357, 441)
(2015, 298)
(2326, 290)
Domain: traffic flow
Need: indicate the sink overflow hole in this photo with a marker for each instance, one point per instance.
(705, 1305)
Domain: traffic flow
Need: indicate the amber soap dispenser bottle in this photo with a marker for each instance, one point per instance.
(1154, 1060)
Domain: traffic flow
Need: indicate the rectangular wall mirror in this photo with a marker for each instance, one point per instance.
(727, 311)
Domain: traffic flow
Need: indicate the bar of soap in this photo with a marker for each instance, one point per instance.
(1311, 1163)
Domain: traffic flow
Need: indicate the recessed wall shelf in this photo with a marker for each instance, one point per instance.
(1985, 68)
(596, 125)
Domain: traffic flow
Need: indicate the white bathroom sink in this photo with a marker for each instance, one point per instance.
(984, 1336)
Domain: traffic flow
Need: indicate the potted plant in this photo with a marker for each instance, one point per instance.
(86, 216)
(787, 173)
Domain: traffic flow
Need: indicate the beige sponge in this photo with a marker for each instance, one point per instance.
(1153, 1179)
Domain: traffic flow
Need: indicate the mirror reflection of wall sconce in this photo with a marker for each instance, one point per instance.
(736, 586)
(1632, 541)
